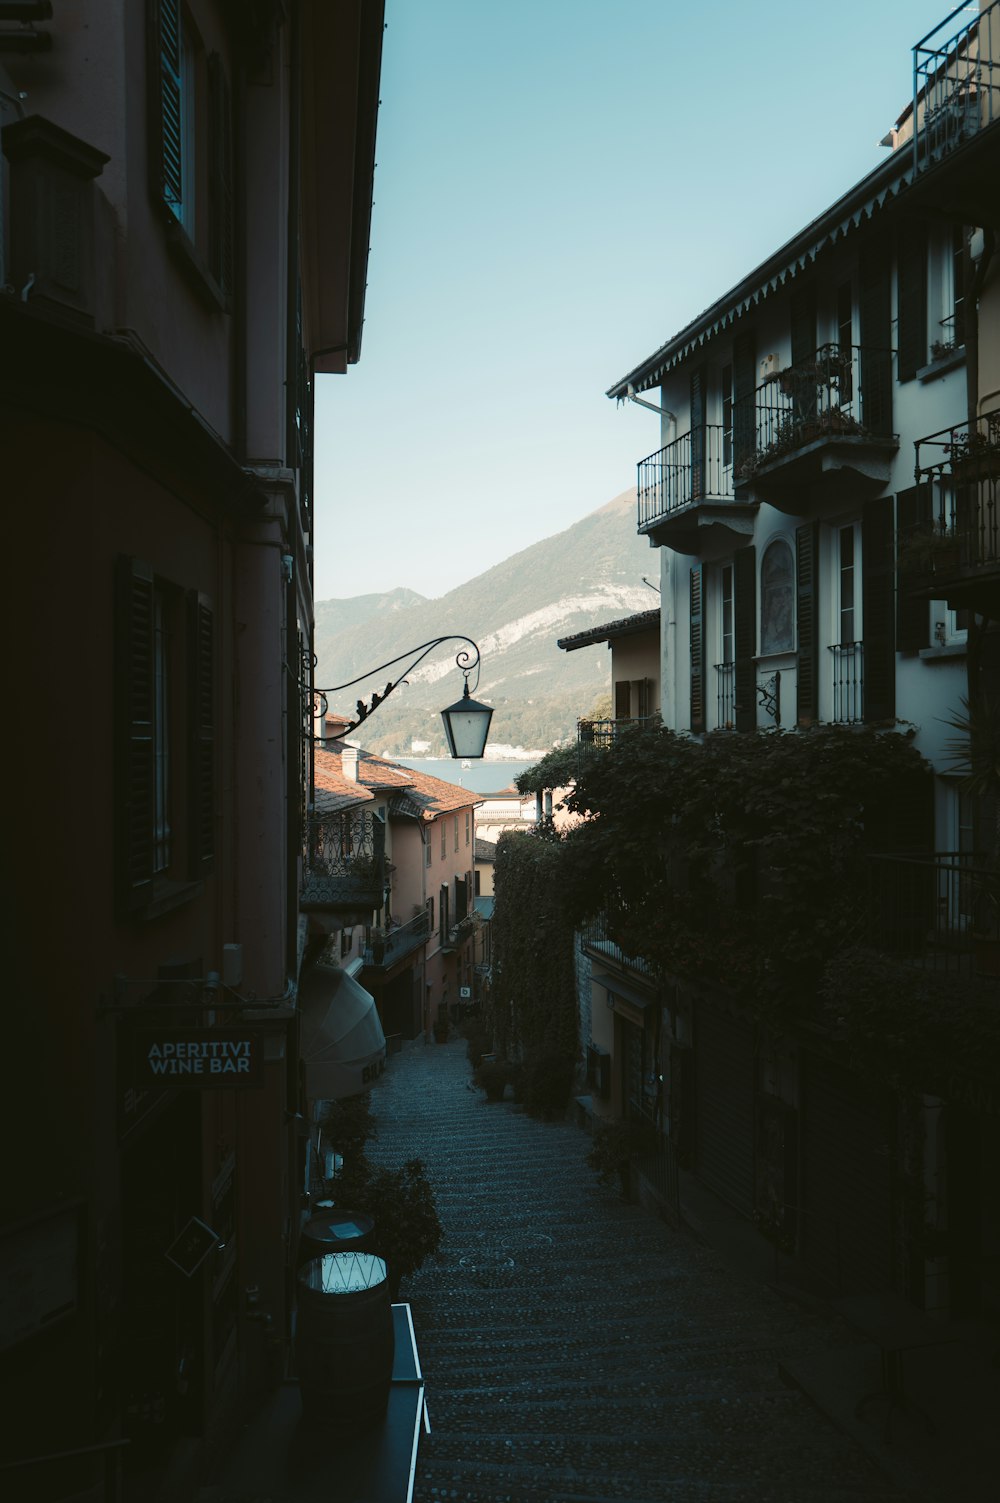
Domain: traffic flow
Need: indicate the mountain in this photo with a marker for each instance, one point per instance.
(590, 573)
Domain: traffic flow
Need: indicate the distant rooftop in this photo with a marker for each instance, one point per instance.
(628, 626)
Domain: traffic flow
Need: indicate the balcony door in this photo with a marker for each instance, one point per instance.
(698, 455)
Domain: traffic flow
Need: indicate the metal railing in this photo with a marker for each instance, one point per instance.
(848, 683)
(725, 696)
(598, 936)
(933, 911)
(956, 75)
(960, 466)
(697, 466)
(603, 733)
(343, 858)
(386, 946)
(64, 1471)
(842, 391)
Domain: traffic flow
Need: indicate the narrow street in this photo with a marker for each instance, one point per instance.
(575, 1347)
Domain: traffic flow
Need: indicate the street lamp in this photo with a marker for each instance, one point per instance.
(466, 723)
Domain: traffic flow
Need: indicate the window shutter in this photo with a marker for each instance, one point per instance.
(911, 295)
(134, 700)
(623, 699)
(220, 175)
(165, 110)
(913, 616)
(874, 316)
(803, 323)
(745, 637)
(698, 433)
(697, 637)
(744, 417)
(807, 610)
(201, 679)
(878, 613)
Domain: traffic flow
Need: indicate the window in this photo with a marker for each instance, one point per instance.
(456, 832)
(427, 849)
(165, 754)
(848, 702)
(725, 669)
(958, 284)
(468, 826)
(444, 839)
(846, 585)
(845, 340)
(727, 613)
(777, 607)
(191, 144)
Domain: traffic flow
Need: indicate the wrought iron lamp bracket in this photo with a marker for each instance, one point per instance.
(769, 693)
(468, 662)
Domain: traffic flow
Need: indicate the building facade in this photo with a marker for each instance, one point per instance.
(187, 195)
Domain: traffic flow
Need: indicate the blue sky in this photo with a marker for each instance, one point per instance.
(562, 185)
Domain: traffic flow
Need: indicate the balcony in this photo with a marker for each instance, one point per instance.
(599, 939)
(686, 499)
(343, 868)
(386, 947)
(940, 912)
(953, 552)
(604, 733)
(821, 430)
(956, 78)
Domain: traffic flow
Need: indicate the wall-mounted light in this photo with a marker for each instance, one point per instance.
(466, 723)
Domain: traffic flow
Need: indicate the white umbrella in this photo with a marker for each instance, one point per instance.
(341, 1039)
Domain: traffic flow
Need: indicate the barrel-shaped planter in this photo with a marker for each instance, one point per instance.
(344, 1340)
(332, 1230)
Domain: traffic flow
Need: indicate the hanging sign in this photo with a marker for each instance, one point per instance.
(205, 1058)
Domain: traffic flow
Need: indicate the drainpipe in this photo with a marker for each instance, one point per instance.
(668, 420)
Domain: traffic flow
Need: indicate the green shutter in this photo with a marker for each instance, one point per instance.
(913, 616)
(134, 754)
(911, 296)
(697, 639)
(745, 637)
(807, 614)
(874, 316)
(878, 613)
(201, 726)
(744, 383)
(698, 433)
(165, 122)
(802, 314)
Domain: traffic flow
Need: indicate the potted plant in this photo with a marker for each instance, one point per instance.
(614, 1146)
(975, 455)
(441, 1027)
(929, 550)
(401, 1203)
(493, 1076)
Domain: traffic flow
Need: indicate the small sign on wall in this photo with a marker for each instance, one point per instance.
(203, 1058)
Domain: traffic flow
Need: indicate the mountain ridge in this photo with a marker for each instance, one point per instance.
(586, 573)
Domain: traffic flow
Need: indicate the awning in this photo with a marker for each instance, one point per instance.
(341, 1039)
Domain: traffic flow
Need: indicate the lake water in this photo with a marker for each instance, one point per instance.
(480, 777)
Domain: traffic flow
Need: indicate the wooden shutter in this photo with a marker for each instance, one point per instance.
(623, 699)
(744, 381)
(807, 612)
(698, 433)
(745, 637)
(878, 614)
(135, 774)
(201, 787)
(165, 122)
(913, 616)
(874, 314)
(803, 323)
(697, 636)
(220, 147)
(911, 295)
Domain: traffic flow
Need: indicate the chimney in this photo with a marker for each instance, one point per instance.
(328, 727)
(349, 763)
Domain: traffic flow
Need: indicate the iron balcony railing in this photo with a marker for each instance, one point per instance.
(387, 945)
(848, 682)
(599, 937)
(939, 912)
(960, 527)
(842, 391)
(698, 466)
(604, 733)
(344, 861)
(956, 76)
(725, 674)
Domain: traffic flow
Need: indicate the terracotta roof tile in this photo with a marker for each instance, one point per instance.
(434, 795)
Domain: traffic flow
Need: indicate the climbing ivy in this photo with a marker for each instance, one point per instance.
(533, 1004)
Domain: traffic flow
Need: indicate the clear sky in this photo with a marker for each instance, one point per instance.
(561, 186)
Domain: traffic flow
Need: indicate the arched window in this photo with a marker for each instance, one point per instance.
(777, 599)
